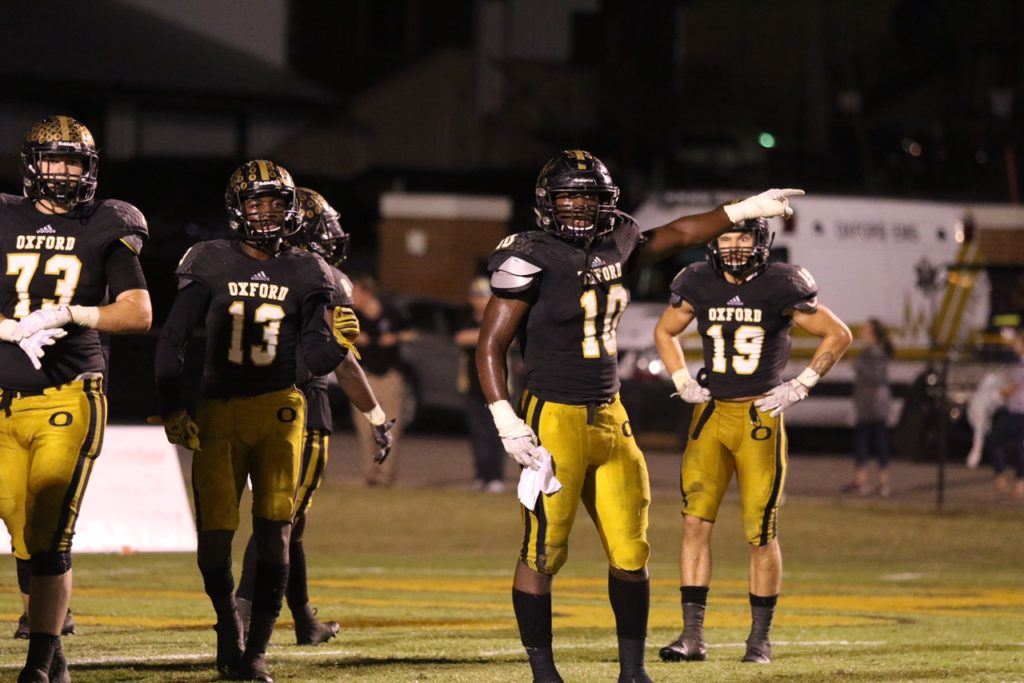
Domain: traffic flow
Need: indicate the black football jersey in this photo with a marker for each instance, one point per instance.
(59, 259)
(577, 297)
(254, 317)
(318, 406)
(745, 327)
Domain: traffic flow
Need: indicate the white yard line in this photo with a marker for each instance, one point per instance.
(651, 646)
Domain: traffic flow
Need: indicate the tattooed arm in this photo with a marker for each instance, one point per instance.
(835, 337)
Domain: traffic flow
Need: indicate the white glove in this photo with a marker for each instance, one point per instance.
(688, 389)
(782, 397)
(768, 204)
(9, 330)
(516, 436)
(43, 319)
(33, 345)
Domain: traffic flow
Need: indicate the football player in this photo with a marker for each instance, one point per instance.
(71, 271)
(563, 287)
(320, 232)
(744, 307)
(258, 297)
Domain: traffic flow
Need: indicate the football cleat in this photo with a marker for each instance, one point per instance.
(311, 631)
(636, 677)
(22, 632)
(229, 644)
(59, 668)
(684, 649)
(251, 669)
(758, 652)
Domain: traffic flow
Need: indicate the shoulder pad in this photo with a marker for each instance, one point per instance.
(319, 278)
(514, 275)
(801, 291)
(194, 265)
(9, 199)
(342, 288)
(130, 219)
(684, 285)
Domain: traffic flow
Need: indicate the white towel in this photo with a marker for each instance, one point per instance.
(534, 482)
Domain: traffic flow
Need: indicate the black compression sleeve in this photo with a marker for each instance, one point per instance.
(319, 349)
(123, 270)
(189, 308)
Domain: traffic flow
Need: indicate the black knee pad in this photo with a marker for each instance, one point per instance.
(50, 564)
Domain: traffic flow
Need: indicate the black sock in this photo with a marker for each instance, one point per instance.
(631, 602)
(533, 614)
(698, 595)
(271, 580)
(24, 576)
(297, 592)
(247, 582)
(220, 587)
(762, 610)
(41, 647)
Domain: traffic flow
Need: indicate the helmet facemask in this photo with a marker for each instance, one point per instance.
(580, 216)
(63, 177)
(748, 256)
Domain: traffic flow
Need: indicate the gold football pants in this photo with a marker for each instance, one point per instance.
(597, 461)
(727, 436)
(311, 473)
(255, 437)
(48, 443)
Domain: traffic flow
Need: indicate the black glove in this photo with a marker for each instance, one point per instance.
(382, 435)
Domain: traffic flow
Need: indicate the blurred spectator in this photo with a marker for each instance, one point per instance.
(1006, 440)
(488, 453)
(871, 401)
(384, 327)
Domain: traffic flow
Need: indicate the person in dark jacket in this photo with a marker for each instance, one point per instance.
(871, 401)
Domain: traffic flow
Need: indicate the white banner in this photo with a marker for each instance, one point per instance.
(136, 499)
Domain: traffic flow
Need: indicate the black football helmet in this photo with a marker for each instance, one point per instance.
(59, 138)
(576, 172)
(256, 178)
(742, 262)
(320, 228)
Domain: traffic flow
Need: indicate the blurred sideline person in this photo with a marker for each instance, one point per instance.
(65, 252)
(1006, 441)
(258, 298)
(319, 232)
(383, 328)
(872, 399)
(562, 289)
(744, 307)
(488, 454)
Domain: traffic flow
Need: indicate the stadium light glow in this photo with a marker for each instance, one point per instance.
(766, 140)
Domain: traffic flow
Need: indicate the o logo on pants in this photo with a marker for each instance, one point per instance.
(287, 414)
(627, 429)
(761, 433)
(61, 419)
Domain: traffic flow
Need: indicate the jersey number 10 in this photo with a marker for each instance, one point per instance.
(618, 299)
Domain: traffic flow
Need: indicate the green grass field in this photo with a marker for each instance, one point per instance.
(420, 579)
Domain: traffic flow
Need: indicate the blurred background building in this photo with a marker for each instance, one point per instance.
(364, 99)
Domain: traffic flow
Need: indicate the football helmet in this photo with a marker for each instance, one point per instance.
(320, 228)
(256, 178)
(576, 172)
(742, 262)
(56, 139)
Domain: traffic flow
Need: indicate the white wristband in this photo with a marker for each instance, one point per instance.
(376, 416)
(737, 212)
(681, 378)
(86, 316)
(505, 418)
(7, 327)
(808, 378)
